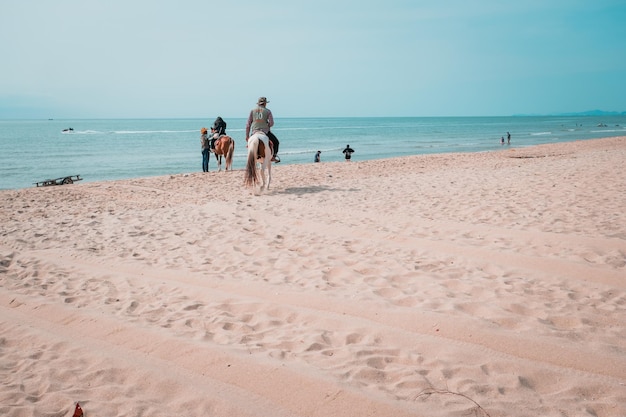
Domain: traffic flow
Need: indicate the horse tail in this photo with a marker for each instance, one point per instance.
(229, 154)
(250, 176)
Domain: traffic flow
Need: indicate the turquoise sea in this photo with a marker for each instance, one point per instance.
(100, 150)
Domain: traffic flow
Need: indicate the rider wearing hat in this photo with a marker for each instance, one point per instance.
(261, 120)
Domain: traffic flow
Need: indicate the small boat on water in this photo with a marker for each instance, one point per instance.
(69, 129)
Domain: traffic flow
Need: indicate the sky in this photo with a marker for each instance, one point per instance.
(67, 59)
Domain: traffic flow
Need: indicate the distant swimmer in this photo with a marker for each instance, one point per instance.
(348, 152)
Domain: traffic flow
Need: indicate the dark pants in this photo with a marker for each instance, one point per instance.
(274, 140)
(206, 154)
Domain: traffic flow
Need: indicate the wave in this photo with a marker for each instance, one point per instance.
(607, 131)
(540, 133)
(310, 151)
(126, 132)
(140, 132)
(332, 127)
(82, 132)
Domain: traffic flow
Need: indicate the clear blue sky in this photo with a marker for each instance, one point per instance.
(199, 58)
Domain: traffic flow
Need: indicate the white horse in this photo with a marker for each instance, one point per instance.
(258, 152)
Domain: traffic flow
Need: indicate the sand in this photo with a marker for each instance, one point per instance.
(490, 284)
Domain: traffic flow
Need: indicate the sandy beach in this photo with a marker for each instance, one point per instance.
(489, 284)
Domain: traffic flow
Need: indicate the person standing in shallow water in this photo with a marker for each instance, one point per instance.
(348, 153)
(205, 145)
(318, 156)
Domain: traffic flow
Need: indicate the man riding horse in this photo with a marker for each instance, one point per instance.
(261, 120)
(218, 129)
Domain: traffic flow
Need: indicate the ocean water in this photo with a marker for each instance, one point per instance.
(101, 150)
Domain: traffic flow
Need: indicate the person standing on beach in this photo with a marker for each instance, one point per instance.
(348, 153)
(318, 156)
(261, 120)
(218, 129)
(206, 149)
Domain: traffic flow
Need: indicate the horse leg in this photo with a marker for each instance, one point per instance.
(217, 159)
(262, 168)
(266, 164)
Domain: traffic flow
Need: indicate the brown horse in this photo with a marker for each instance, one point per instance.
(224, 146)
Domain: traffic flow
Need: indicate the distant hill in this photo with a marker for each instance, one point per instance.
(595, 113)
(583, 113)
